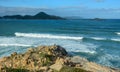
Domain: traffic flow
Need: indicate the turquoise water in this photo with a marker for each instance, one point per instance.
(98, 41)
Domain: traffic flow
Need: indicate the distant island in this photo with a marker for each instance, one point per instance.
(98, 19)
(40, 15)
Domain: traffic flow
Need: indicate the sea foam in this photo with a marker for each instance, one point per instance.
(36, 35)
(23, 45)
(98, 38)
(115, 40)
(107, 58)
(118, 33)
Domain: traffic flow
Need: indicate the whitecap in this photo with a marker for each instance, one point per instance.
(23, 45)
(36, 35)
(115, 39)
(118, 33)
(107, 58)
(98, 38)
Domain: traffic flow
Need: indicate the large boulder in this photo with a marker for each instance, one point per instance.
(54, 50)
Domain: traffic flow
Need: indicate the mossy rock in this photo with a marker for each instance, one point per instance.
(72, 69)
(16, 70)
(48, 60)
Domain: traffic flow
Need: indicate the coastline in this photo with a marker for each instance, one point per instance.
(52, 58)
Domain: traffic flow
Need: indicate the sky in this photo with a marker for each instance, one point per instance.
(65, 8)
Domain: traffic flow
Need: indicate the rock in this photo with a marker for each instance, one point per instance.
(60, 51)
(90, 66)
(45, 68)
(50, 70)
(78, 59)
(59, 61)
(1, 67)
(58, 64)
(48, 59)
(30, 50)
(14, 53)
(78, 65)
(56, 67)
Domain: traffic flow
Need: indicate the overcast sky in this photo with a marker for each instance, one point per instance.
(82, 8)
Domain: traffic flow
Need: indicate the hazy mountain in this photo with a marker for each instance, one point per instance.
(40, 15)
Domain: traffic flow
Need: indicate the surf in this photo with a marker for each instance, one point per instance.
(118, 33)
(98, 38)
(37, 35)
(22, 45)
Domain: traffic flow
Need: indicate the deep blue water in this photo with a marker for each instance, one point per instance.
(98, 41)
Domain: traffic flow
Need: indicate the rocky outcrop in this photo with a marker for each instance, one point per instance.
(49, 59)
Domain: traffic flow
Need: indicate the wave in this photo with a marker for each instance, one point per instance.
(111, 39)
(23, 45)
(118, 33)
(115, 39)
(98, 38)
(107, 59)
(70, 45)
(76, 47)
(46, 36)
(86, 51)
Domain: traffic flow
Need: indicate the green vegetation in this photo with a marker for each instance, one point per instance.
(15, 70)
(71, 69)
(46, 59)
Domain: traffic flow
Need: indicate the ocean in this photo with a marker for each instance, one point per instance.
(96, 40)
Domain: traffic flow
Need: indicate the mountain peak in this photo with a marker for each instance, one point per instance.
(41, 13)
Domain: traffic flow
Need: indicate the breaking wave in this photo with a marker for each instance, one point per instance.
(115, 40)
(36, 35)
(118, 33)
(98, 38)
(23, 45)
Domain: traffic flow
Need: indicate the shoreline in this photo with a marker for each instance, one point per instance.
(50, 58)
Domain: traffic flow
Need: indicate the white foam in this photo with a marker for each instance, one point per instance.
(70, 45)
(86, 51)
(118, 33)
(98, 38)
(46, 36)
(115, 39)
(106, 59)
(112, 39)
(23, 45)
(81, 47)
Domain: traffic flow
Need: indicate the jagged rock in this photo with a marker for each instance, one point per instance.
(14, 53)
(45, 68)
(48, 59)
(59, 63)
(53, 50)
(50, 70)
(56, 67)
(78, 59)
(78, 65)
(30, 50)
